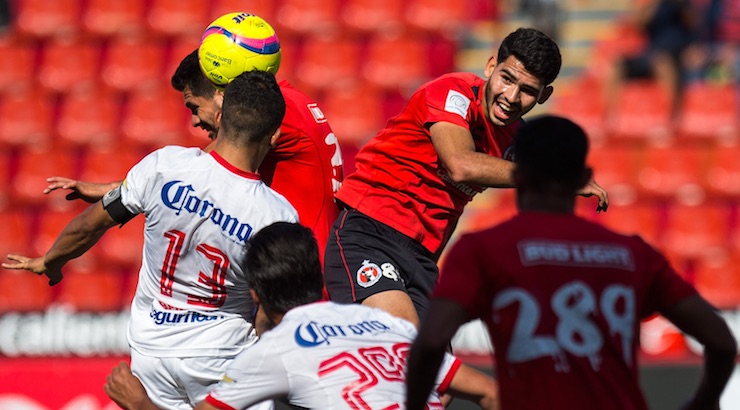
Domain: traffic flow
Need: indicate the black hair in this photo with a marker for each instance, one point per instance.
(538, 53)
(282, 266)
(253, 107)
(551, 150)
(189, 75)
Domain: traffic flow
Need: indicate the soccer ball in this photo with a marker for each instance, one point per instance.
(235, 43)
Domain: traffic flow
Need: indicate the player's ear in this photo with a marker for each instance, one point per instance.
(490, 65)
(254, 296)
(274, 138)
(218, 98)
(546, 93)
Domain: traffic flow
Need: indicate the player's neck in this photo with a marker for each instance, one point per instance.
(245, 158)
(546, 202)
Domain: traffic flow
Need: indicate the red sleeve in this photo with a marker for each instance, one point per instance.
(462, 276)
(449, 376)
(450, 100)
(666, 287)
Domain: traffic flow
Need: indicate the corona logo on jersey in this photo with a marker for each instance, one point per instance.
(314, 334)
(180, 196)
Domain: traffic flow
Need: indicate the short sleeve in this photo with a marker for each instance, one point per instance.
(666, 287)
(138, 184)
(450, 100)
(462, 276)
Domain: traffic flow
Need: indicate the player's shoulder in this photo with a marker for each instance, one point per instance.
(172, 156)
(457, 80)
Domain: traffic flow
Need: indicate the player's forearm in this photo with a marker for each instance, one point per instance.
(484, 170)
(79, 235)
(476, 386)
(423, 366)
(718, 367)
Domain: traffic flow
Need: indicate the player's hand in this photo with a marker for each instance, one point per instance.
(594, 189)
(87, 191)
(35, 265)
(125, 389)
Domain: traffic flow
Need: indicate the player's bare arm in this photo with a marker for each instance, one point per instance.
(697, 318)
(126, 390)
(75, 239)
(475, 386)
(87, 191)
(428, 351)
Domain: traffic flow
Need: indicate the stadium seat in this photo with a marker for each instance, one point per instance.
(709, 112)
(26, 119)
(88, 118)
(179, 49)
(717, 278)
(29, 179)
(109, 164)
(615, 168)
(22, 291)
(436, 16)
(15, 236)
(497, 208)
(178, 17)
(122, 246)
(17, 52)
(354, 112)
(643, 112)
(152, 118)
(91, 289)
(133, 61)
(43, 18)
(396, 62)
(674, 171)
(584, 104)
(373, 16)
(722, 177)
(68, 64)
(6, 157)
(320, 70)
(262, 8)
(300, 17)
(51, 222)
(108, 18)
(645, 218)
(695, 230)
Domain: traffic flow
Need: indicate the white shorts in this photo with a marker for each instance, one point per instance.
(181, 383)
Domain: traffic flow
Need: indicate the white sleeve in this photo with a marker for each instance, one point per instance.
(256, 374)
(138, 183)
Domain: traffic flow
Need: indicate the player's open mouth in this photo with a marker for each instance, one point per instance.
(503, 110)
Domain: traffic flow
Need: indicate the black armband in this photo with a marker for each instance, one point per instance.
(114, 206)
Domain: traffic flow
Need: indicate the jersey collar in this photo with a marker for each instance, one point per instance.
(235, 170)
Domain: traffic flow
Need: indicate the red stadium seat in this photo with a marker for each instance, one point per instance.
(108, 165)
(5, 167)
(615, 168)
(51, 223)
(179, 49)
(152, 118)
(501, 207)
(26, 119)
(42, 18)
(178, 17)
(709, 112)
(15, 236)
(396, 63)
(22, 291)
(88, 118)
(584, 104)
(717, 278)
(131, 62)
(122, 246)
(300, 17)
(373, 16)
(68, 64)
(355, 113)
(262, 8)
(17, 52)
(437, 16)
(643, 112)
(723, 172)
(107, 18)
(91, 289)
(675, 170)
(693, 231)
(319, 69)
(640, 218)
(29, 180)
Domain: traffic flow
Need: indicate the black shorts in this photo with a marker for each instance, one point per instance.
(364, 257)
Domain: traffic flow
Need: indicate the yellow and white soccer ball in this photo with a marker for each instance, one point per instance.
(235, 43)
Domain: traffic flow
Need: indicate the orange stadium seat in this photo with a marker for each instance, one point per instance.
(354, 112)
(643, 112)
(723, 172)
(91, 289)
(42, 18)
(26, 119)
(300, 17)
(500, 207)
(615, 168)
(373, 16)
(22, 291)
(68, 64)
(640, 218)
(709, 112)
(584, 104)
(15, 236)
(262, 8)
(436, 16)
(717, 278)
(152, 118)
(16, 66)
(122, 246)
(319, 69)
(88, 118)
(674, 170)
(29, 179)
(133, 61)
(695, 230)
(178, 17)
(107, 18)
(396, 62)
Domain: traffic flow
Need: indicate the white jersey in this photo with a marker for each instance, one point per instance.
(192, 299)
(328, 356)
